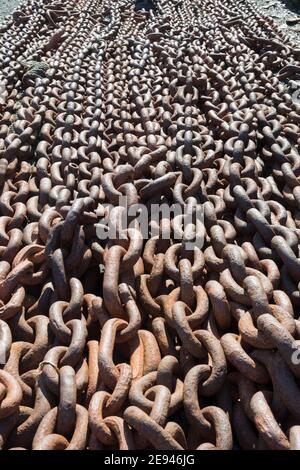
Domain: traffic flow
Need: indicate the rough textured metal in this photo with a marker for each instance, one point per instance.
(164, 347)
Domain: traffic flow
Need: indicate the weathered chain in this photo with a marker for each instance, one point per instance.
(134, 343)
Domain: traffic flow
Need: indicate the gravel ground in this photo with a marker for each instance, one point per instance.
(7, 6)
(283, 12)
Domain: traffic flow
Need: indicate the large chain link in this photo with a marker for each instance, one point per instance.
(135, 342)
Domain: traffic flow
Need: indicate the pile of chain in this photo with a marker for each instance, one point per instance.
(134, 343)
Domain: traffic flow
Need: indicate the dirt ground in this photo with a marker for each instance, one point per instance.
(280, 10)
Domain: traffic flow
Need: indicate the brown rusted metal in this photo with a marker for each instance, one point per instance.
(148, 342)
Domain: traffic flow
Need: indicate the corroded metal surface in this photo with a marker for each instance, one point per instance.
(131, 342)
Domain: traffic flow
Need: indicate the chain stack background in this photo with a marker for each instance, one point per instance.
(164, 347)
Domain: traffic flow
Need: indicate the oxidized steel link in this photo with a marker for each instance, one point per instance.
(135, 339)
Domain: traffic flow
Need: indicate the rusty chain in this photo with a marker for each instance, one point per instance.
(164, 347)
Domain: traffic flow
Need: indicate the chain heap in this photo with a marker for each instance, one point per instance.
(163, 347)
